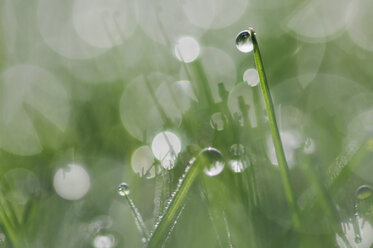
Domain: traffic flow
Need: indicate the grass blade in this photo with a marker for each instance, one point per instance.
(172, 210)
(284, 170)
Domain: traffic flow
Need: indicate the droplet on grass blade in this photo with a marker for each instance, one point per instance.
(364, 192)
(123, 189)
(243, 42)
(214, 162)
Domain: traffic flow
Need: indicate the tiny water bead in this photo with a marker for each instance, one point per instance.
(123, 189)
(243, 42)
(213, 161)
(364, 192)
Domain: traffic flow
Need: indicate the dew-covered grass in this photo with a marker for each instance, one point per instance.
(140, 124)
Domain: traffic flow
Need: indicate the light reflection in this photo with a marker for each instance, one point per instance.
(361, 238)
(142, 162)
(291, 140)
(187, 49)
(104, 241)
(251, 77)
(104, 24)
(72, 182)
(166, 146)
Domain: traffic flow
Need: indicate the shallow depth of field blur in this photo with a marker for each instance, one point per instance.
(93, 92)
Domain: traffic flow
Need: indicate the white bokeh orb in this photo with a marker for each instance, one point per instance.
(71, 182)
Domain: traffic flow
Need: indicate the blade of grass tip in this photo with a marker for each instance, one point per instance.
(175, 204)
(284, 170)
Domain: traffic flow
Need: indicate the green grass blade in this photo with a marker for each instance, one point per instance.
(284, 170)
(162, 228)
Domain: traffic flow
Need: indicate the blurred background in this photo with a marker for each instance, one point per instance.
(98, 92)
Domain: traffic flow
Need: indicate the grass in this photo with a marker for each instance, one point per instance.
(175, 204)
(261, 206)
(280, 154)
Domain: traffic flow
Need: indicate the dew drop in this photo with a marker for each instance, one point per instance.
(217, 121)
(214, 161)
(238, 162)
(243, 42)
(364, 192)
(123, 189)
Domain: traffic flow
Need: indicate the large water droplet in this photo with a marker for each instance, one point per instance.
(123, 189)
(364, 192)
(214, 162)
(243, 42)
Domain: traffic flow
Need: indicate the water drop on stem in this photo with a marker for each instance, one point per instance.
(244, 42)
(123, 190)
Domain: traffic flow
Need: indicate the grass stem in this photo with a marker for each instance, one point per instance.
(162, 229)
(284, 170)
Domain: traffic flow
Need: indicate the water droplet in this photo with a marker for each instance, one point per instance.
(238, 161)
(243, 42)
(123, 189)
(217, 121)
(214, 161)
(364, 192)
(143, 239)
